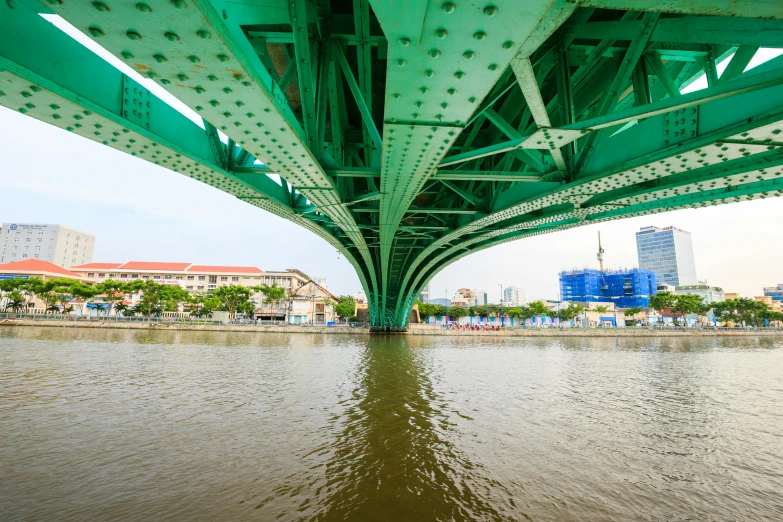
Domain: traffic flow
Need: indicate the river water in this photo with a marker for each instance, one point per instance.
(141, 425)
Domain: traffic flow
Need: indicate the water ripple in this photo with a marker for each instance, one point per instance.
(119, 425)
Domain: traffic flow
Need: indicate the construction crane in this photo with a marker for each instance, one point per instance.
(600, 252)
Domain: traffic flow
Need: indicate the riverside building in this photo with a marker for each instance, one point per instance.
(514, 296)
(668, 252)
(55, 244)
(624, 288)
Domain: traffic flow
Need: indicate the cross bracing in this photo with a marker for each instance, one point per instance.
(411, 134)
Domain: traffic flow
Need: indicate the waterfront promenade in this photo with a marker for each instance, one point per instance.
(414, 329)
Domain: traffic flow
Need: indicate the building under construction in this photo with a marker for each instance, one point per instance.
(625, 288)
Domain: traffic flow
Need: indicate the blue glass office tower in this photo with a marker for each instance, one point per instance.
(668, 252)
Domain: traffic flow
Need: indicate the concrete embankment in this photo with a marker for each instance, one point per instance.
(597, 332)
(109, 325)
(412, 330)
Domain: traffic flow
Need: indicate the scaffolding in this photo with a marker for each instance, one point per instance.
(626, 288)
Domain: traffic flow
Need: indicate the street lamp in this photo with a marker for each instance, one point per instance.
(501, 303)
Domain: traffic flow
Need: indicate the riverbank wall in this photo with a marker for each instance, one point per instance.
(412, 330)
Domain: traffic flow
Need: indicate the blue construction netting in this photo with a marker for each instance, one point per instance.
(625, 288)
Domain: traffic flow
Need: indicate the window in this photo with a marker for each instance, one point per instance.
(90, 274)
(201, 288)
(234, 279)
(200, 278)
(39, 239)
(124, 276)
(190, 278)
(145, 277)
(101, 275)
(157, 276)
(27, 240)
(224, 278)
(178, 278)
(72, 260)
(36, 256)
(168, 277)
(112, 275)
(24, 255)
(134, 276)
(189, 287)
(211, 287)
(212, 279)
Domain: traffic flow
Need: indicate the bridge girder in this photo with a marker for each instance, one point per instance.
(499, 121)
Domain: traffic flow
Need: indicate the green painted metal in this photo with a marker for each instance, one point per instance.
(500, 120)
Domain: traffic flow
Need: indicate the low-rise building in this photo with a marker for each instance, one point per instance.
(708, 294)
(200, 279)
(730, 296)
(773, 304)
(312, 304)
(34, 268)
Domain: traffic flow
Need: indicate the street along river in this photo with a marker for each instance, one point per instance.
(175, 425)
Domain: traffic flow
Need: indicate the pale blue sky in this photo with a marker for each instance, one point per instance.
(139, 211)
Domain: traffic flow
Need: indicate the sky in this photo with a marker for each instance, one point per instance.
(143, 212)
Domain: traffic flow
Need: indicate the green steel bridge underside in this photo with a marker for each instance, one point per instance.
(411, 133)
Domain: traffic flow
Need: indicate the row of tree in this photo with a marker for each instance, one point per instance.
(740, 311)
(109, 297)
(523, 313)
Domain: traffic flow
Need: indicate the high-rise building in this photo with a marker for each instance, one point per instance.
(514, 296)
(424, 295)
(668, 252)
(56, 244)
(624, 288)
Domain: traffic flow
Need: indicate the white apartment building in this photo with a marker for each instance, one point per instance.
(514, 296)
(55, 244)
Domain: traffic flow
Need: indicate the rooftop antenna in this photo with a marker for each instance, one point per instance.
(600, 252)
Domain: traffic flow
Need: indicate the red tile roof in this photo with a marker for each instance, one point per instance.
(35, 266)
(225, 269)
(96, 266)
(155, 266)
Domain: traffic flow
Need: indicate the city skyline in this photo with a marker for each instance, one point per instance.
(163, 216)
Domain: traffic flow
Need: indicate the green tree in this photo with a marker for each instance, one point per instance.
(601, 309)
(272, 293)
(439, 310)
(458, 311)
(632, 312)
(232, 297)
(571, 311)
(426, 310)
(154, 296)
(686, 304)
(111, 292)
(345, 307)
(15, 301)
(662, 300)
(537, 309)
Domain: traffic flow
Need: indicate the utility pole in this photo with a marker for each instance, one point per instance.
(600, 252)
